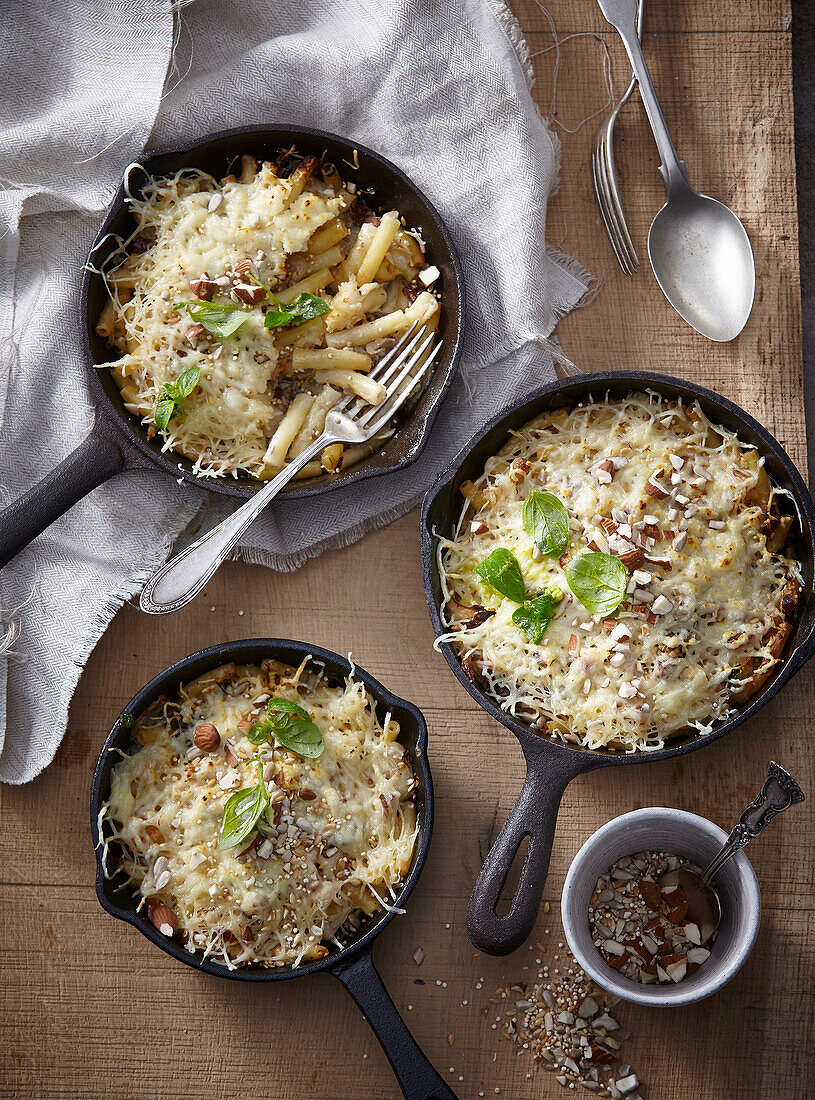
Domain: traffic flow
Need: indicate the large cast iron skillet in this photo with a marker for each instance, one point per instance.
(353, 965)
(551, 765)
(117, 440)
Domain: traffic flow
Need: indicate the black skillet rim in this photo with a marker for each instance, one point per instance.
(409, 443)
(516, 414)
(249, 650)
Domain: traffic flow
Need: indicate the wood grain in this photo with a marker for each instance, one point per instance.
(89, 1010)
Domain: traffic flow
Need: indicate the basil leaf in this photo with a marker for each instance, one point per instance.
(219, 318)
(546, 521)
(309, 306)
(187, 381)
(598, 581)
(305, 307)
(285, 705)
(164, 409)
(502, 572)
(170, 401)
(294, 729)
(276, 318)
(259, 732)
(242, 812)
(534, 616)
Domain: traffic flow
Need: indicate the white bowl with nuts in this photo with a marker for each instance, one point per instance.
(633, 936)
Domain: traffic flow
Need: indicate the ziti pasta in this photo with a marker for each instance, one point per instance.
(244, 308)
(262, 813)
(620, 574)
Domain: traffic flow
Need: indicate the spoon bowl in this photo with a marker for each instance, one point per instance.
(703, 262)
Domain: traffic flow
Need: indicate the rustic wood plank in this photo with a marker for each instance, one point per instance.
(90, 1010)
(695, 17)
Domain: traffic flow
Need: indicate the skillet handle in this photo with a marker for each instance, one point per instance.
(534, 815)
(93, 462)
(417, 1078)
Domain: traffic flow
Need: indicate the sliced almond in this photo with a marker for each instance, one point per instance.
(203, 289)
(249, 294)
(632, 558)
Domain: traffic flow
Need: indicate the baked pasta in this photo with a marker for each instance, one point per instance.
(262, 814)
(618, 575)
(243, 309)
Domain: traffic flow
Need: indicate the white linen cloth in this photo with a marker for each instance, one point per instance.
(437, 86)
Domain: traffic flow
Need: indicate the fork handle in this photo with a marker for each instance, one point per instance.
(622, 15)
(182, 578)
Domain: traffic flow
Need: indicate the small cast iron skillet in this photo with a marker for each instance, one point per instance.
(353, 965)
(550, 764)
(118, 442)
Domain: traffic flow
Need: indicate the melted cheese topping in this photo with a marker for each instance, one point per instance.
(198, 238)
(346, 822)
(709, 599)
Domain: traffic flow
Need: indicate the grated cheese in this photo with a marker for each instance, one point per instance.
(262, 226)
(331, 859)
(702, 624)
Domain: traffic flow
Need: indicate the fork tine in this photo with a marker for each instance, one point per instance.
(615, 236)
(395, 383)
(407, 352)
(614, 196)
(402, 347)
(396, 353)
(606, 211)
(394, 405)
(611, 209)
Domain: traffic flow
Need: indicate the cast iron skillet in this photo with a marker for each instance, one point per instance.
(551, 765)
(353, 965)
(117, 440)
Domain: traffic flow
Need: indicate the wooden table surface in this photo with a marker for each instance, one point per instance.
(92, 1011)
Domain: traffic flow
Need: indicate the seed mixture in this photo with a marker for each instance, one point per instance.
(563, 1020)
(640, 928)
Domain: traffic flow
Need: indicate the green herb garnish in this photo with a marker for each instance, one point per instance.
(502, 572)
(546, 521)
(305, 307)
(126, 720)
(220, 319)
(291, 727)
(598, 581)
(243, 811)
(257, 282)
(170, 401)
(534, 616)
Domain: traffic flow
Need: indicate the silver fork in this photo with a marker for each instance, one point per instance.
(351, 420)
(605, 179)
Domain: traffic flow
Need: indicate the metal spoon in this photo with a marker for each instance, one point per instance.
(779, 791)
(698, 248)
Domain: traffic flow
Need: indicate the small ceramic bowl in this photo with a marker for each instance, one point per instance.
(660, 828)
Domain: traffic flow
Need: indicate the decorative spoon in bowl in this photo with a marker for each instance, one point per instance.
(778, 793)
